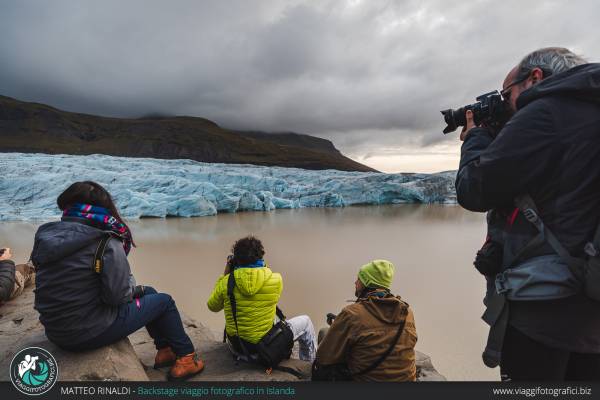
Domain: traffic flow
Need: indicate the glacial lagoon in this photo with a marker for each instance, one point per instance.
(318, 251)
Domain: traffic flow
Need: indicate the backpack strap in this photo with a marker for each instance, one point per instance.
(527, 206)
(98, 262)
(496, 316)
(591, 248)
(279, 313)
(387, 352)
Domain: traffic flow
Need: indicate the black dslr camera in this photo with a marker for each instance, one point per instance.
(489, 110)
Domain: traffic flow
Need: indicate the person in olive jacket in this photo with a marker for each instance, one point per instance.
(372, 340)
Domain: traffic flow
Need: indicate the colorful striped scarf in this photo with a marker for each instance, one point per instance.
(103, 219)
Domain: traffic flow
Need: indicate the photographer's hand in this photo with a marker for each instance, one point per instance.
(470, 125)
(228, 264)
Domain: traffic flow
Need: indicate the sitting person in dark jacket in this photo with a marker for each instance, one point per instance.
(13, 278)
(87, 301)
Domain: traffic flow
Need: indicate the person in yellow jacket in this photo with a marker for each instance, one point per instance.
(257, 291)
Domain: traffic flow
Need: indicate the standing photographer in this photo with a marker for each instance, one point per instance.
(544, 161)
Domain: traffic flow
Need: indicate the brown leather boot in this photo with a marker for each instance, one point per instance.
(164, 358)
(186, 367)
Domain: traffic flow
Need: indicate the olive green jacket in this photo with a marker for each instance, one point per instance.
(363, 331)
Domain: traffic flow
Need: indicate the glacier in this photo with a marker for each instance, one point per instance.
(144, 187)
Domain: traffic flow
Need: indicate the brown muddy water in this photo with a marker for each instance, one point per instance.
(318, 252)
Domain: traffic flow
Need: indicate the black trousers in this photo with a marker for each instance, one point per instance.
(525, 359)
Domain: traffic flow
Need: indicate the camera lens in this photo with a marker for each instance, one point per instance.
(454, 119)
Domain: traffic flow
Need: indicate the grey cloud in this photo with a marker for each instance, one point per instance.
(366, 74)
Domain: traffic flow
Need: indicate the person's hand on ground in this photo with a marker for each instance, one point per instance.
(6, 255)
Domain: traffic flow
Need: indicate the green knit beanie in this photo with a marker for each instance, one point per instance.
(377, 274)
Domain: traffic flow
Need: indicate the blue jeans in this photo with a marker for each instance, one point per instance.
(157, 312)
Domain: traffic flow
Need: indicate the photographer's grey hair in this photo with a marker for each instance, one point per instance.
(551, 60)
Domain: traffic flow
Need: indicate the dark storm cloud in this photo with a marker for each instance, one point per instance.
(368, 74)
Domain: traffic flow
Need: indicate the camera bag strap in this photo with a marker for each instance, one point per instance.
(98, 262)
(497, 311)
(387, 352)
(232, 302)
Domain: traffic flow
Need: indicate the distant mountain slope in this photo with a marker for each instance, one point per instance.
(38, 128)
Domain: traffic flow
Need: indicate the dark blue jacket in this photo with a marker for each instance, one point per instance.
(76, 303)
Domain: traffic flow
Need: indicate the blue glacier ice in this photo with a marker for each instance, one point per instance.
(143, 187)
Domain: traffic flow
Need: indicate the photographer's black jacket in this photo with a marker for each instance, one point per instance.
(549, 149)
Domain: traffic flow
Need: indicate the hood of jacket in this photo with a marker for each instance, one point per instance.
(250, 280)
(580, 82)
(389, 309)
(57, 240)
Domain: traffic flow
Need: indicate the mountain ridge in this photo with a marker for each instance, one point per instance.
(30, 127)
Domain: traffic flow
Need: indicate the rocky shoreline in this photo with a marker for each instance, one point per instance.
(131, 359)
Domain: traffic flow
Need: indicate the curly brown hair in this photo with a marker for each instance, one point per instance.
(247, 250)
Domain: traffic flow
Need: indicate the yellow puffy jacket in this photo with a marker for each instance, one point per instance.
(256, 292)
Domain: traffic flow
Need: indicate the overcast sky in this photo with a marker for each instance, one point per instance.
(369, 75)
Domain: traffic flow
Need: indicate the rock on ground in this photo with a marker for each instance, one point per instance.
(132, 359)
(426, 372)
(20, 328)
(218, 361)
